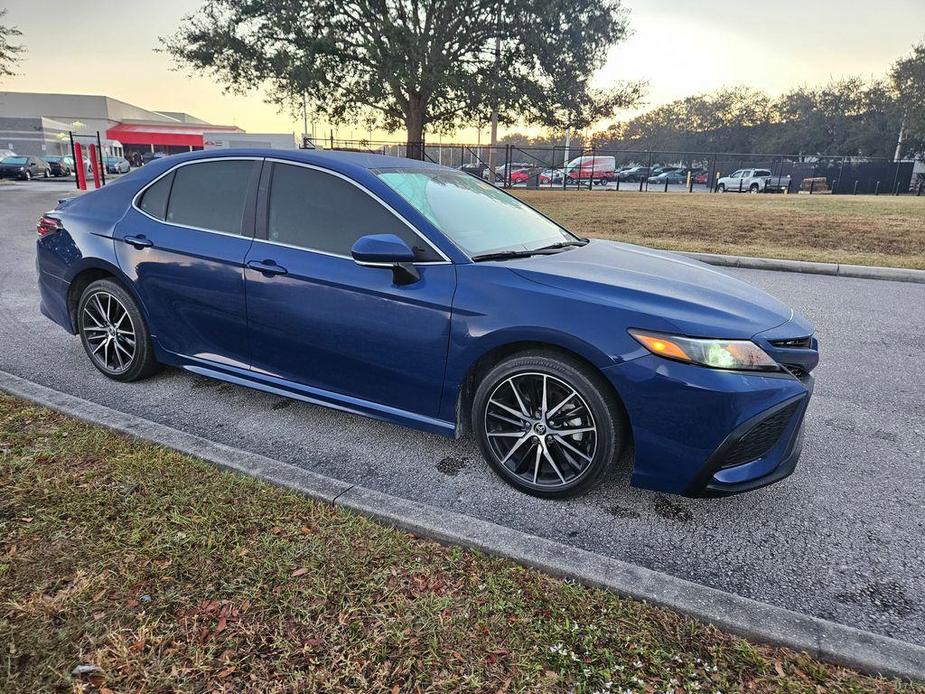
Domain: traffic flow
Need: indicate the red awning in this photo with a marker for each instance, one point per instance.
(165, 135)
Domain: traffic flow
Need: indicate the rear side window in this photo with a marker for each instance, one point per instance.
(210, 195)
(154, 199)
(321, 212)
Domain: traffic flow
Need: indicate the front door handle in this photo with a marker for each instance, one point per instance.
(140, 241)
(267, 267)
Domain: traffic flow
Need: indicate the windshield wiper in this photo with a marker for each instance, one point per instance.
(545, 250)
(503, 255)
(564, 244)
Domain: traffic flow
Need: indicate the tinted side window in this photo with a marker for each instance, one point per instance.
(154, 199)
(210, 195)
(318, 211)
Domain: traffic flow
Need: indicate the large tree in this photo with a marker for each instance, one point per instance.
(413, 64)
(10, 50)
(908, 78)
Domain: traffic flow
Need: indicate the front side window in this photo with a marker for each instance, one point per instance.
(210, 195)
(476, 216)
(322, 212)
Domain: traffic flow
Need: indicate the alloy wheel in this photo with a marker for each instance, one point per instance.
(109, 331)
(540, 429)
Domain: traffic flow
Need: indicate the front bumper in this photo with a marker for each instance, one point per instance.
(707, 432)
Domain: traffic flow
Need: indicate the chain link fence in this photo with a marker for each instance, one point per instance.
(562, 168)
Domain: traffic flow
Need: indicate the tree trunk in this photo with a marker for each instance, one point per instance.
(414, 125)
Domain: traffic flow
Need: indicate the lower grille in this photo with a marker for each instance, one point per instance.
(796, 370)
(761, 438)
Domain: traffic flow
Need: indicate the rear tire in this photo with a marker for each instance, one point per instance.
(555, 451)
(114, 333)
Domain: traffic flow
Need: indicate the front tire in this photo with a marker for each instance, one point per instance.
(548, 425)
(754, 189)
(114, 333)
(721, 187)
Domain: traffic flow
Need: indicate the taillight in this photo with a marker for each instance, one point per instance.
(47, 225)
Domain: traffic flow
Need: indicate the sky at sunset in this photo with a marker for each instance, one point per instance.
(680, 47)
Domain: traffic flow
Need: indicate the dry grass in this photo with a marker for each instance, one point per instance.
(862, 230)
(160, 573)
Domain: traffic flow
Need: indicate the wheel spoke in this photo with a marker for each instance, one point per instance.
(571, 461)
(509, 410)
(506, 434)
(552, 462)
(544, 398)
(572, 448)
(520, 402)
(92, 317)
(120, 347)
(506, 419)
(562, 402)
(536, 464)
(100, 345)
(517, 444)
(572, 432)
(99, 307)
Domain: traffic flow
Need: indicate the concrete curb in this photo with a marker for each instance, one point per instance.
(869, 272)
(757, 621)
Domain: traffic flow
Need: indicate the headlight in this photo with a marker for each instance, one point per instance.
(718, 354)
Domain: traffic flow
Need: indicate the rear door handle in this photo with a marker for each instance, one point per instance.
(267, 267)
(140, 241)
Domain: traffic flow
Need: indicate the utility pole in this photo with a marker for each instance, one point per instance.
(304, 118)
(494, 105)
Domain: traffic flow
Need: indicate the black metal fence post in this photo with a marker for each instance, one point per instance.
(99, 149)
(70, 134)
(856, 186)
(877, 188)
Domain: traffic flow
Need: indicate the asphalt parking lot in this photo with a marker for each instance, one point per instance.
(842, 539)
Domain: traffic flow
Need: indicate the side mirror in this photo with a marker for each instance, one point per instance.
(386, 250)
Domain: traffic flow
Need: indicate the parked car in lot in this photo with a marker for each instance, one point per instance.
(60, 166)
(23, 166)
(635, 174)
(423, 296)
(501, 171)
(702, 177)
(116, 165)
(753, 181)
(551, 177)
(474, 169)
(527, 176)
(672, 176)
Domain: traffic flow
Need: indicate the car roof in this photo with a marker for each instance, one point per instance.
(344, 162)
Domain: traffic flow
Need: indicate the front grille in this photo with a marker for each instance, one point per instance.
(760, 439)
(794, 342)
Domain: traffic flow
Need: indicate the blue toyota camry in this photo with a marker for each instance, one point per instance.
(423, 296)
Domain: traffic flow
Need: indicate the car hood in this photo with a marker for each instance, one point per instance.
(669, 291)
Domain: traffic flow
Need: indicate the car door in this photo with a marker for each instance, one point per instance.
(183, 244)
(317, 318)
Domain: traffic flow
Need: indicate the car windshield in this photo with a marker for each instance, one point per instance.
(53, 159)
(476, 216)
(14, 160)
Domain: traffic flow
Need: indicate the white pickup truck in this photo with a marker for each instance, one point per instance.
(753, 181)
